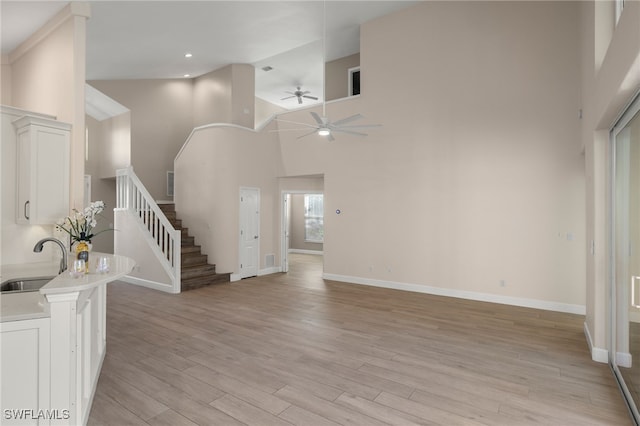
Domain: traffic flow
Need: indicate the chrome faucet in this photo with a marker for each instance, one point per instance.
(63, 262)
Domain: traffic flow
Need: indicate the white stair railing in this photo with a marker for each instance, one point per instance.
(131, 195)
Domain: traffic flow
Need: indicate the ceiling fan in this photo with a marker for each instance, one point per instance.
(324, 126)
(299, 94)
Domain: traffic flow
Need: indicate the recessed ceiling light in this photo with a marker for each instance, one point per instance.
(188, 55)
(187, 75)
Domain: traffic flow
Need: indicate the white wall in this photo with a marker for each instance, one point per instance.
(133, 241)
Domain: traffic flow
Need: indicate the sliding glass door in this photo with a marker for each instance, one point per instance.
(625, 255)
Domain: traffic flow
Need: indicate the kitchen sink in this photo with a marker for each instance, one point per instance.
(19, 285)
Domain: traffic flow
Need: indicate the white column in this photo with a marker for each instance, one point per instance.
(63, 308)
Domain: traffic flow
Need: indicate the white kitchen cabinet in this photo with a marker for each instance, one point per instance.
(43, 159)
(25, 367)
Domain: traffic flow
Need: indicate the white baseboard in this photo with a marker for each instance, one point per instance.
(597, 354)
(634, 315)
(301, 251)
(265, 271)
(167, 288)
(271, 270)
(462, 294)
(624, 359)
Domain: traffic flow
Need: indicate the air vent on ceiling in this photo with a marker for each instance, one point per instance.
(267, 68)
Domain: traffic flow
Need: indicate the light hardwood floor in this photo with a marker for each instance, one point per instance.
(294, 349)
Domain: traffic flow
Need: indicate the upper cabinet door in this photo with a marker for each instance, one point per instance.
(43, 150)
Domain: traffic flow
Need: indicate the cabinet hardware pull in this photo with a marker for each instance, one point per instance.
(26, 204)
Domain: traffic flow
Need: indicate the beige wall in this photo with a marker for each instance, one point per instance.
(207, 184)
(114, 151)
(161, 120)
(212, 97)
(265, 110)
(475, 179)
(99, 136)
(5, 79)
(610, 77)
(337, 76)
(46, 74)
(163, 113)
(243, 95)
(226, 95)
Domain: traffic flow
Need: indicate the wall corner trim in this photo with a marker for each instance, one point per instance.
(597, 354)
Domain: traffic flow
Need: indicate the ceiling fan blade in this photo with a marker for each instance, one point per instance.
(330, 137)
(285, 130)
(317, 118)
(348, 119)
(310, 97)
(357, 126)
(305, 92)
(349, 132)
(307, 134)
(296, 122)
(288, 97)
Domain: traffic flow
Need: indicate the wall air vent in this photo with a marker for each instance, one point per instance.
(169, 184)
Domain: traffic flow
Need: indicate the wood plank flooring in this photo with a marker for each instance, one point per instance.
(293, 349)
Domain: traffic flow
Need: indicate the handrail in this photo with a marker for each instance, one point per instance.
(131, 195)
(224, 125)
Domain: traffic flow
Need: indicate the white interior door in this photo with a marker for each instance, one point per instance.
(249, 232)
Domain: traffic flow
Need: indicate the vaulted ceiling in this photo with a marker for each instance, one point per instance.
(149, 39)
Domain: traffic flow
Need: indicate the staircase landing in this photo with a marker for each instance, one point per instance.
(195, 270)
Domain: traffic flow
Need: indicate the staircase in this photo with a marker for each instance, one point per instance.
(195, 272)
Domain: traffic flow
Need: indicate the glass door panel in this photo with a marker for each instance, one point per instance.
(626, 255)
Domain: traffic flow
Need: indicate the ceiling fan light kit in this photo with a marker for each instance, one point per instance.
(324, 127)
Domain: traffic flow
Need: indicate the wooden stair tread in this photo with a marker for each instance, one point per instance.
(195, 270)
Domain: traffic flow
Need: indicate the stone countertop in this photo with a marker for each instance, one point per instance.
(30, 305)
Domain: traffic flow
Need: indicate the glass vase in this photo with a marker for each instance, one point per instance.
(82, 253)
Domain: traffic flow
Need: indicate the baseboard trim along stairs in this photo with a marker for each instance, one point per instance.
(195, 271)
